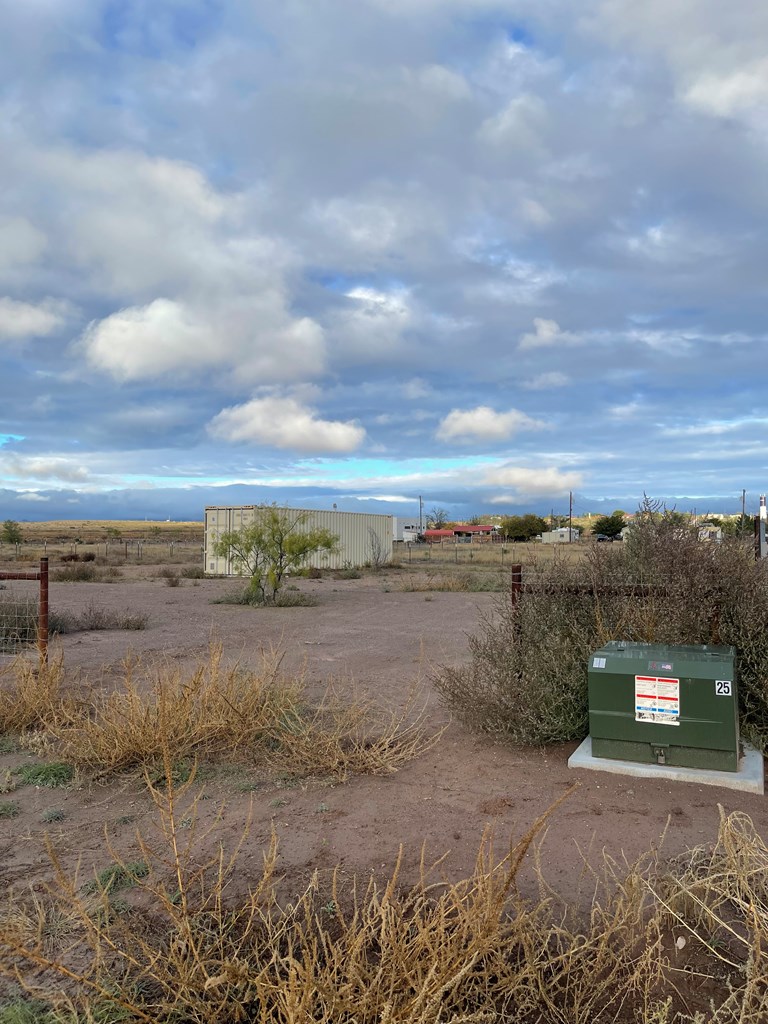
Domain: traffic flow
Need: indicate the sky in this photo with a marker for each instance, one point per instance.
(357, 252)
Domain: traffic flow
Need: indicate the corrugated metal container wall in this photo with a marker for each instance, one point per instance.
(362, 537)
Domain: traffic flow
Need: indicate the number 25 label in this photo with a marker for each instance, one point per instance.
(723, 687)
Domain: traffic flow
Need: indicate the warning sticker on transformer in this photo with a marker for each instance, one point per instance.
(657, 699)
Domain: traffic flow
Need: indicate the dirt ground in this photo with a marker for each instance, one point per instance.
(384, 639)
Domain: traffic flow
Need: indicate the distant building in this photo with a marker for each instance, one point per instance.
(560, 536)
(406, 530)
(482, 532)
(711, 534)
(463, 533)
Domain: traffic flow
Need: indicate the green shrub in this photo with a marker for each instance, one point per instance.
(527, 676)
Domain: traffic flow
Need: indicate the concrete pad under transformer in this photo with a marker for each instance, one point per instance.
(749, 777)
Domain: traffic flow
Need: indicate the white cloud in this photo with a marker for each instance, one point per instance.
(715, 52)
(371, 328)
(546, 334)
(22, 242)
(717, 427)
(535, 213)
(518, 126)
(25, 320)
(285, 423)
(193, 281)
(138, 223)
(416, 388)
(530, 483)
(444, 82)
(545, 381)
(730, 92)
(484, 423)
(627, 410)
(31, 468)
(251, 337)
(32, 496)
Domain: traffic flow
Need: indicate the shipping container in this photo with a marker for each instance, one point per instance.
(363, 539)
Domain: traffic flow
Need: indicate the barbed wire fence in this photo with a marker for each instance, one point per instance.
(24, 612)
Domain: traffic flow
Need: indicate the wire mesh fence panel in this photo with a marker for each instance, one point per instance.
(24, 611)
(19, 618)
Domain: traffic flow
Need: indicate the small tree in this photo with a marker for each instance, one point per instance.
(522, 527)
(12, 532)
(737, 526)
(274, 544)
(610, 526)
(437, 519)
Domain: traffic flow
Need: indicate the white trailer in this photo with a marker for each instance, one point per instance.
(404, 529)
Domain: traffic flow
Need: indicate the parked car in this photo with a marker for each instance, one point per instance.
(603, 537)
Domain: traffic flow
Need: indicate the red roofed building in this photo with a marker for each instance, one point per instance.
(461, 532)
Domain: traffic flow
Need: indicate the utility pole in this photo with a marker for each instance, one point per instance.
(421, 510)
(570, 516)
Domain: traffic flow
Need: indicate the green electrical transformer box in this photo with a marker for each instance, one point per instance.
(664, 704)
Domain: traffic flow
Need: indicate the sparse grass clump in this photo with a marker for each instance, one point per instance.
(30, 697)
(93, 618)
(9, 809)
(343, 952)
(214, 713)
(348, 573)
(80, 572)
(284, 598)
(51, 775)
(52, 814)
(117, 876)
(459, 581)
(193, 572)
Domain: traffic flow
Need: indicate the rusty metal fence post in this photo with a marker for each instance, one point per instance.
(517, 584)
(42, 621)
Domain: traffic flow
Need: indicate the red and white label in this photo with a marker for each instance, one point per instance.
(657, 699)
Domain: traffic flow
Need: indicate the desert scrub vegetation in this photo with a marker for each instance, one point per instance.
(342, 951)
(527, 676)
(459, 581)
(19, 622)
(80, 572)
(232, 714)
(95, 617)
(287, 597)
